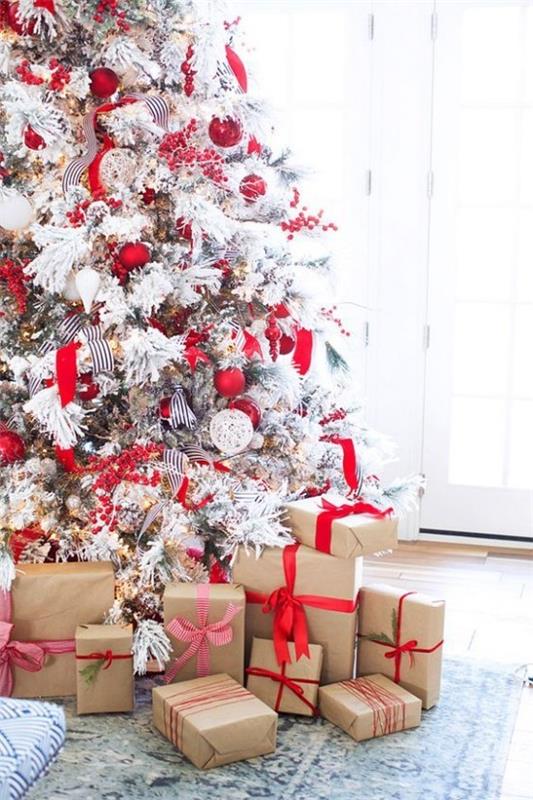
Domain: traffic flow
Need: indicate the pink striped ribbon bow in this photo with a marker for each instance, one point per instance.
(216, 633)
(26, 655)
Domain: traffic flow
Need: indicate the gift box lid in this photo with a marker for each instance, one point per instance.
(98, 633)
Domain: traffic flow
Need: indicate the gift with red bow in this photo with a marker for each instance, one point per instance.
(104, 673)
(401, 635)
(342, 528)
(205, 625)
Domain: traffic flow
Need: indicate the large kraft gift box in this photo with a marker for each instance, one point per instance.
(341, 527)
(401, 635)
(205, 624)
(214, 720)
(104, 668)
(369, 707)
(291, 688)
(48, 602)
(307, 596)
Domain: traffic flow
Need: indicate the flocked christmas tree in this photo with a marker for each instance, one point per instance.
(160, 398)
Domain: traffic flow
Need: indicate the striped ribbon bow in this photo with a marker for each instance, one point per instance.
(201, 636)
(180, 411)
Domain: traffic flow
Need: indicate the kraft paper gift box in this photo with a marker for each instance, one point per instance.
(341, 527)
(46, 604)
(205, 624)
(214, 720)
(369, 707)
(291, 688)
(104, 674)
(401, 635)
(311, 594)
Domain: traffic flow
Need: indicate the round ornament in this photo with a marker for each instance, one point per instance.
(286, 345)
(134, 255)
(184, 229)
(231, 431)
(89, 389)
(248, 407)
(164, 407)
(70, 290)
(229, 382)
(33, 140)
(16, 212)
(251, 187)
(87, 283)
(258, 441)
(117, 168)
(12, 447)
(73, 503)
(281, 311)
(225, 132)
(16, 24)
(104, 82)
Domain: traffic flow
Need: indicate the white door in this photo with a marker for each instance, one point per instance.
(478, 437)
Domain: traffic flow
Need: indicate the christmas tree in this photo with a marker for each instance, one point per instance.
(163, 388)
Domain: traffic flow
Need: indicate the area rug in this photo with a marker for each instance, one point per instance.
(458, 753)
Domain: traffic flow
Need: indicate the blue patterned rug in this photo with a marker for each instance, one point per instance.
(458, 753)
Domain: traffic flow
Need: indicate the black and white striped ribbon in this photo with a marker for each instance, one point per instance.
(197, 454)
(101, 353)
(68, 330)
(151, 516)
(238, 335)
(175, 463)
(180, 411)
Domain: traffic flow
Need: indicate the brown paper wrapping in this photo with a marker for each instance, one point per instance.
(316, 574)
(422, 621)
(49, 601)
(356, 535)
(216, 730)
(179, 600)
(353, 715)
(270, 692)
(112, 688)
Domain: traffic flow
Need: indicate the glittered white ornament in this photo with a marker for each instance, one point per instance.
(16, 212)
(73, 502)
(231, 431)
(87, 283)
(117, 168)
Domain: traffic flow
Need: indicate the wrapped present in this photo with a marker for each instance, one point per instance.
(401, 635)
(291, 688)
(214, 720)
(38, 624)
(299, 594)
(369, 707)
(205, 623)
(104, 668)
(342, 528)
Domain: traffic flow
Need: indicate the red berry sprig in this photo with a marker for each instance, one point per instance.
(179, 152)
(303, 220)
(273, 334)
(188, 71)
(328, 313)
(336, 416)
(16, 279)
(60, 75)
(25, 74)
(78, 215)
(111, 8)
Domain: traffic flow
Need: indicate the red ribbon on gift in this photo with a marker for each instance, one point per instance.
(388, 710)
(201, 636)
(330, 512)
(286, 683)
(400, 648)
(290, 621)
(25, 655)
(107, 656)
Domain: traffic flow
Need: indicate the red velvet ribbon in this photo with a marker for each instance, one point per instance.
(406, 648)
(331, 512)
(349, 460)
(290, 621)
(106, 656)
(288, 683)
(93, 171)
(303, 350)
(67, 372)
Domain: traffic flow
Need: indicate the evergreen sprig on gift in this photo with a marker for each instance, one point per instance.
(91, 671)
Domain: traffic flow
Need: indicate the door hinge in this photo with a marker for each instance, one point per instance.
(430, 183)
(434, 26)
(369, 182)
(427, 336)
(366, 333)
(371, 27)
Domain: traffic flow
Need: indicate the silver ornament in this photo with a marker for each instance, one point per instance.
(231, 431)
(73, 503)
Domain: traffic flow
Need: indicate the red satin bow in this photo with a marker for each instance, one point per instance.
(286, 682)
(330, 512)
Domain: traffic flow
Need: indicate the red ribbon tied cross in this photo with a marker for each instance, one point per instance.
(292, 684)
(330, 512)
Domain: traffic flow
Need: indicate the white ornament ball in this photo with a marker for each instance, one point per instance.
(16, 212)
(257, 442)
(117, 168)
(231, 431)
(73, 502)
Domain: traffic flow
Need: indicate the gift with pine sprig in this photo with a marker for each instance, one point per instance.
(104, 662)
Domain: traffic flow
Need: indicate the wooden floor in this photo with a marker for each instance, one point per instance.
(489, 615)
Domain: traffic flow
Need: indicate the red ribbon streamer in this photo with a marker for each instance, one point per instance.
(66, 372)
(194, 356)
(65, 456)
(331, 512)
(285, 682)
(303, 350)
(47, 4)
(107, 657)
(290, 621)
(237, 67)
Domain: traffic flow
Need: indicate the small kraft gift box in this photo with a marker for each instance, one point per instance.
(214, 720)
(291, 688)
(369, 707)
(104, 668)
(205, 624)
(401, 635)
(341, 527)
(40, 615)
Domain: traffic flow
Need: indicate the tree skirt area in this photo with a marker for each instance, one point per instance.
(458, 753)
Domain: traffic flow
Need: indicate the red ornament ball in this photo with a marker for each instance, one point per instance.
(33, 140)
(89, 389)
(225, 132)
(184, 229)
(15, 23)
(252, 186)
(134, 255)
(104, 82)
(229, 382)
(164, 408)
(286, 345)
(248, 407)
(281, 311)
(12, 448)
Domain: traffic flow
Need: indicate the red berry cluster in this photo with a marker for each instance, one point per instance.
(328, 314)
(273, 334)
(316, 491)
(228, 25)
(148, 196)
(304, 221)
(178, 151)
(60, 76)
(25, 74)
(111, 471)
(78, 215)
(335, 416)
(16, 279)
(295, 202)
(188, 71)
(111, 7)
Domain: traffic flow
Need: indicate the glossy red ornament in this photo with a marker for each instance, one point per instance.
(14, 22)
(104, 82)
(184, 229)
(286, 345)
(12, 447)
(229, 382)
(248, 407)
(225, 132)
(33, 140)
(164, 408)
(88, 389)
(281, 311)
(134, 255)
(252, 186)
